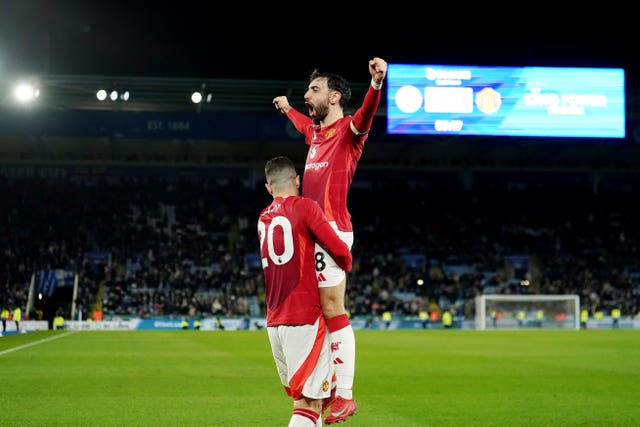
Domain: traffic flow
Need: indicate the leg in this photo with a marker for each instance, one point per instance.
(297, 346)
(332, 281)
(343, 348)
(343, 352)
(306, 412)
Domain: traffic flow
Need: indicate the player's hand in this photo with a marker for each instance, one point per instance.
(378, 69)
(282, 104)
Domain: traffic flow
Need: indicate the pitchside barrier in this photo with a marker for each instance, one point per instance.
(358, 323)
(27, 326)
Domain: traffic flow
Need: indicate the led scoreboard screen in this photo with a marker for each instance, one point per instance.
(505, 101)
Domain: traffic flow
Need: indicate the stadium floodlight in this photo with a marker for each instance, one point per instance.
(25, 92)
(113, 95)
(196, 97)
(200, 95)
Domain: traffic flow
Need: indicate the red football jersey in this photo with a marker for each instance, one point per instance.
(334, 152)
(288, 230)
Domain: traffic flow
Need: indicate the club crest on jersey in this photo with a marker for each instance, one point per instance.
(313, 152)
(329, 133)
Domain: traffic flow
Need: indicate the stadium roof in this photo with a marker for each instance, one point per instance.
(197, 40)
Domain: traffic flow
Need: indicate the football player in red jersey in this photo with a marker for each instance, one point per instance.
(336, 142)
(288, 230)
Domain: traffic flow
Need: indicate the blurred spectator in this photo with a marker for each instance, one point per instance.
(447, 319)
(423, 315)
(17, 317)
(584, 318)
(615, 316)
(386, 318)
(58, 322)
(181, 246)
(4, 315)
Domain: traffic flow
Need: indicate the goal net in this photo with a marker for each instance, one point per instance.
(527, 311)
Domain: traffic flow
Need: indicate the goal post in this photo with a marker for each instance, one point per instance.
(494, 311)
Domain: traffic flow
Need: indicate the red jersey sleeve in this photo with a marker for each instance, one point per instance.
(363, 117)
(326, 236)
(300, 121)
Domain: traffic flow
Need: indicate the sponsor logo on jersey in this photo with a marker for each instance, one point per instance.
(316, 166)
(313, 152)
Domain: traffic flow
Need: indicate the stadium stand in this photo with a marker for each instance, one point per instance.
(437, 222)
(183, 247)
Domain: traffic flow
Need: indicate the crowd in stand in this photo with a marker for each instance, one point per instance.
(187, 246)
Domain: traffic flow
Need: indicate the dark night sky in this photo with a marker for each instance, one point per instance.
(205, 39)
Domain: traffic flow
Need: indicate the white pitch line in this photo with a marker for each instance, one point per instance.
(31, 344)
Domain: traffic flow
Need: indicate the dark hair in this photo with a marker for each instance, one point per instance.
(278, 170)
(335, 82)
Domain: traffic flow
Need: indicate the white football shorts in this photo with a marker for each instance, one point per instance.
(303, 358)
(328, 272)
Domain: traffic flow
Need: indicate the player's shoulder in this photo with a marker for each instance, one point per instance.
(345, 120)
(302, 200)
(305, 202)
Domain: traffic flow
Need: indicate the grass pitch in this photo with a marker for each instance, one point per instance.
(403, 378)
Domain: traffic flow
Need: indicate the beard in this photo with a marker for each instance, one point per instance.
(319, 113)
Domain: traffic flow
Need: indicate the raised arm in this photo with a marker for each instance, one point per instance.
(299, 120)
(363, 117)
(282, 104)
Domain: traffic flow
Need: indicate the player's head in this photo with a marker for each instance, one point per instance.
(282, 178)
(335, 82)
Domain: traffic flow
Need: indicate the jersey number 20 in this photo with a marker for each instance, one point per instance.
(285, 235)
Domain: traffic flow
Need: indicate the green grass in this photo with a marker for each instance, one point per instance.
(403, 378)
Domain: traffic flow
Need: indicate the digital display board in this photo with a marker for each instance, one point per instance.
(505, 101)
